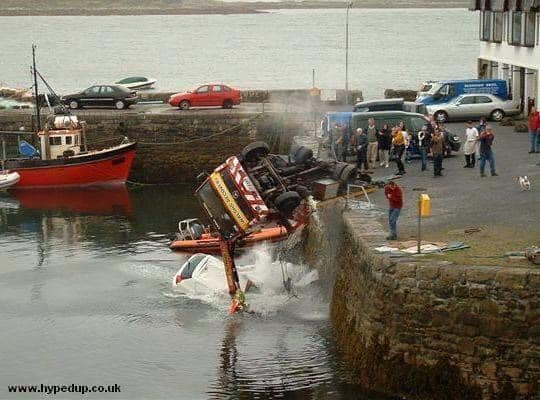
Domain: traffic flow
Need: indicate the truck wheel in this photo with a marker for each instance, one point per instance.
(347, 174)
(497, 115)
(287, 202)
(253, 152)
(338, 170)
(300, 155)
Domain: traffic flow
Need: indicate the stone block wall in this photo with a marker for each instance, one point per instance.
(430, 330)
(176, 148)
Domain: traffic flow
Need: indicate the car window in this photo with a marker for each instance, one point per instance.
(217, 88)
(107, 90)
(467, 100)
(94, 90)
(483, 100)
(226, 88)
(202, 89)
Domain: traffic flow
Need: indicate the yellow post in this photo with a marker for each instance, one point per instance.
(424, 210)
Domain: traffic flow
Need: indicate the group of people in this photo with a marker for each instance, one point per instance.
(372, 145)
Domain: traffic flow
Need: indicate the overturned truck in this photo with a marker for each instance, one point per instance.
(256, 188)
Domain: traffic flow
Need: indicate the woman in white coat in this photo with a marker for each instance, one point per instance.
(469, 149)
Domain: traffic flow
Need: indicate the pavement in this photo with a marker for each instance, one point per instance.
(461, 198)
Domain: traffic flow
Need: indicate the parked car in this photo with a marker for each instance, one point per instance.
(390, 105)
(469, 106)
(116, 96)
(445, 91)
(207, 95)
(413, 124)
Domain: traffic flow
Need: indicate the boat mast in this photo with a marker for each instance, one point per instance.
(34, 71)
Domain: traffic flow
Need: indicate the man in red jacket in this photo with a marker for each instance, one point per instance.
(394, 194)
(534, 131)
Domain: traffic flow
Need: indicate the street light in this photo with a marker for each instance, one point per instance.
(349, 5)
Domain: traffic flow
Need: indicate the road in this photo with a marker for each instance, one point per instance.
(461, 198)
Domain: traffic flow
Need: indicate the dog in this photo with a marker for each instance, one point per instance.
(524, 183)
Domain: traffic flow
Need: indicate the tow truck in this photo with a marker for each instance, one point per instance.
(257, 188)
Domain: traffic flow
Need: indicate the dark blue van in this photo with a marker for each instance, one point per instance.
(445, 91)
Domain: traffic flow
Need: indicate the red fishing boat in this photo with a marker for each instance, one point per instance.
(64, 160)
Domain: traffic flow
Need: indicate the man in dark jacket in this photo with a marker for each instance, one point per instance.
(361, 143)
(394, 194)
(486, 153)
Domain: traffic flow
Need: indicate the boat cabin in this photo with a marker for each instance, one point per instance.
(62, 137)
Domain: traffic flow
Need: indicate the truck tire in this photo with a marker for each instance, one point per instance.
(286, 202)
(348, 174)
(338, 170)
(253, 152)
(300, 155)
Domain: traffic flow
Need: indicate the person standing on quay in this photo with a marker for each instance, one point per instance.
(384, 143)
(469, 149)
(394, 194)
(424, 142)
(534, 131)
(437, 150)
(398, 145)
(360, 141)
(486, 153)
(371, 132)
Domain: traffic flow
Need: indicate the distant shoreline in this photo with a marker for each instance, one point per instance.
(219, 9)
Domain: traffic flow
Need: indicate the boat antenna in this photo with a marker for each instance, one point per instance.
(65, 110)
(34, 72)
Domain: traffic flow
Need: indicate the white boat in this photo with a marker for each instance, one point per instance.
(137, 82)
(203, 272)
(8, 179)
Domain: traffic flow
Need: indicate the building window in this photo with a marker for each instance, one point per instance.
(530, 29)
(497, 27)
(68, 139)
(485, 26)
(515, 28)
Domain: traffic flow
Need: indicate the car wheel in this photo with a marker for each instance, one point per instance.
(441, 116)
(74, 104)
(184, 105)
(497, 115)
(120, 105)
(253, 152)
(228, 104)
(287, 202)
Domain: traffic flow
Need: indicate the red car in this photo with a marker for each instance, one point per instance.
(207, 95)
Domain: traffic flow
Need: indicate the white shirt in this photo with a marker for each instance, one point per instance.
(471, 134)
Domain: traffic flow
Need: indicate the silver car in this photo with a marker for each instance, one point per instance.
(469, 106)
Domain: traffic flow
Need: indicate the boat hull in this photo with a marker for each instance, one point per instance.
(103, 168)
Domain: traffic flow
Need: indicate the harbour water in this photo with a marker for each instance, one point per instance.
(389, 48)
(86, 298)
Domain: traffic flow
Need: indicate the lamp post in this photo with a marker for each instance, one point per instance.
(349, 5)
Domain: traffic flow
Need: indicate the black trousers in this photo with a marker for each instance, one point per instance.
(437, 164)
(361, 158)
(398, 153)
(470, 159)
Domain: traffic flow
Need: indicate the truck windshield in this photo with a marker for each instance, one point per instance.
(214, 207)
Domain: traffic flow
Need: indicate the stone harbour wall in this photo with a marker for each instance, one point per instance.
(176, 148)
(430, 330)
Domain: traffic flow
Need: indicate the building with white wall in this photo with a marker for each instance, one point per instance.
(510, 46)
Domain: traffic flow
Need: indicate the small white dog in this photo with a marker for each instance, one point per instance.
(524, 183)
